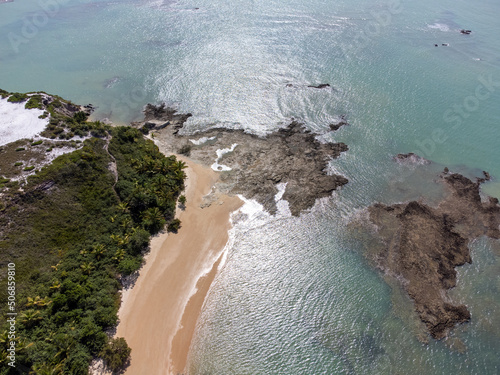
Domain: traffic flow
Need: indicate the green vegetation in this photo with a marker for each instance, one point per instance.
(115, 354)
(182, 200)
(4, 93)
(29, 168)
(20, 149)
(73, 233)
(17, 98)
(18, 164)
(37, 143)
(174, 226)
(34, 102)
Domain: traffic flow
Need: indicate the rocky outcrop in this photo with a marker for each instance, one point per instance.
(410, 158)
(251, 165)
(320, 86)
(424, 245)
(338, 125)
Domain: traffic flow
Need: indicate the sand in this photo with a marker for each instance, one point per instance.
(159, 314)
(16, 122)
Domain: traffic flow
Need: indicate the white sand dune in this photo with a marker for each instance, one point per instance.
(16, 122)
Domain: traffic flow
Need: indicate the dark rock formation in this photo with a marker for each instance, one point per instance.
(338, 125)
(425, 244)
(466, 32)
(254, 167)
(410, 158)
(320, 86)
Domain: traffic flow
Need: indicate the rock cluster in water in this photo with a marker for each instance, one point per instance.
(423, 245)
(251, 165)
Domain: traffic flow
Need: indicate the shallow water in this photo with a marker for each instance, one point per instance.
(296, 296)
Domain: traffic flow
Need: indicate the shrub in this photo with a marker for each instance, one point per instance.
(4, 93)
(20, 149)
(174, 225)
(80, 117)
(18, 164)
(35, 101)
(182, 202)
(27, 169)
(17, 98)
(37, 143)
(116, 354)
(129, 265)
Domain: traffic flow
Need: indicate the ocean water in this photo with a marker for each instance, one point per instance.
(297, 295)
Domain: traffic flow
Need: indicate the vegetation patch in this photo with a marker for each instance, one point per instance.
(35, 101)
(72, 233)
(4, 93)
(17, 97)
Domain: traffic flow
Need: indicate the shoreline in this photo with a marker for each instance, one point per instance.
(159, 314)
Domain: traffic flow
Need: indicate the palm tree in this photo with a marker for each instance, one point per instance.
(153, 218)
(87, 267)
(123, 207)
(56, 266)
(48, 369)
(30, 317)
(126, 222)
(37, 301)
(119, 255)
(99, 251)
(56, 285)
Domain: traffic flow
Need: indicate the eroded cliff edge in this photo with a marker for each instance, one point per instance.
(424, 244)
(251, 165)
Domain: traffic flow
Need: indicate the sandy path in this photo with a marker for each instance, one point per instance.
(158, 316)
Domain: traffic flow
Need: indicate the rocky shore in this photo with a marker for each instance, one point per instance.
(251, 165)
(424, 245)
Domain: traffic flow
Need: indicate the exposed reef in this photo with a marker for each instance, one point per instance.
(338, 125)
(320, 86)
(424, 244)
(410, 158)
(251, 165)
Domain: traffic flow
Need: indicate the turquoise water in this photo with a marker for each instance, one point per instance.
(297, 296)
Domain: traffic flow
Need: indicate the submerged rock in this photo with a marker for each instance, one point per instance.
(410, 158)
(253, 165)
(338, 125)
(320, 86)
(424, 245)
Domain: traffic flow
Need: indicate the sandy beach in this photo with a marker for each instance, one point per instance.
(159, 314)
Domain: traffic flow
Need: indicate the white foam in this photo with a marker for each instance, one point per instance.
(17, 122)
(439, 26)
(202, 140)
(220, 153)
(281, 190)
(282, 206)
